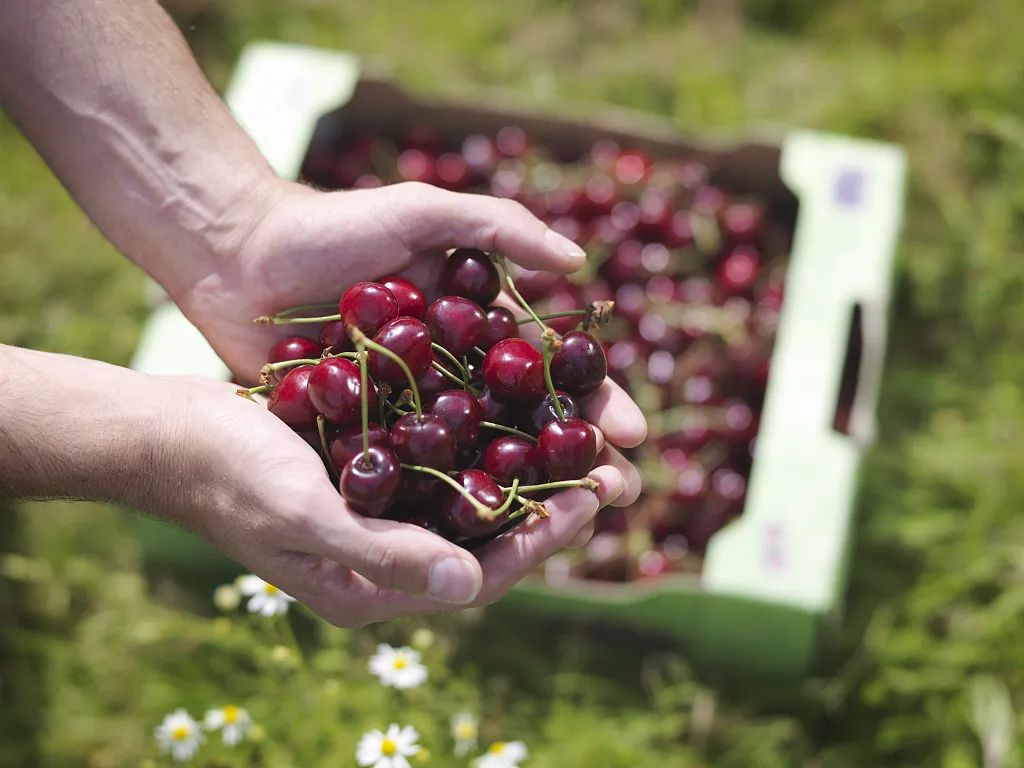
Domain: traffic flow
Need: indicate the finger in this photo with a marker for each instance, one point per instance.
(582, 537)
(630, 476)
(390, 554)
(615, 414)
(429, 217)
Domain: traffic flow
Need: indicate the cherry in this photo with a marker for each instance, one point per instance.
(463, 413)
(514, 368)
(534, 418)
(348, 442)
(563, 300)
(456, 323)
(511, 457)
(568, 448)
(625, 264)
(691, 483)
(471, 273)
(421, 492)
(411, 301)
(431, 384)
(290, 402)
(453, 171)
(729, 485)
(369, 481)
(425, 440)
(579, 367)
(501, 324)
(429, 522)
(368, 306)
(334, 390)
(469, 458)
(738, 269)
(292, 348)
(741, 222)
(462, 517)
(408, 338)
(631, 167)
(511, 141)
(416, 165)
(496, 409)
(334, 336)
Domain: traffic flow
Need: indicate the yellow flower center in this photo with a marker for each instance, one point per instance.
(497, 748)
(180, 733)
(400, 662)
(230, 714)
(466, 731)
(388, 748)
(270, 589)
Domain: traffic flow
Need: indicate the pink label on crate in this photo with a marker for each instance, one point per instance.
(774, 553)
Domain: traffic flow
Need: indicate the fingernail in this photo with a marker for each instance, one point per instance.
(453, 580)
(565, 245)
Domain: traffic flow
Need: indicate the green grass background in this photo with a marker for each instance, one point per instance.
(930, 668)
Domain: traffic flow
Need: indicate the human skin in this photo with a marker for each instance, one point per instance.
(110, 95)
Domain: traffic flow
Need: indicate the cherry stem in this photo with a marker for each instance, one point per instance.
(529, 505)
(549, 343)
(510, 430)
(511, 285)
(359, 337)
(512, 494)
(455, 361)
(482, 510)
(448, 374)
(586, 483)
(248, 393)
(394, 409)
(364, 403)
(323, 447)
(306, 308)
(555, 315)
(278, 320)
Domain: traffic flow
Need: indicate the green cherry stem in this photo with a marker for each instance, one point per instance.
(511, 285)
(512, 494)
(278, 320)
(586, 483)
(364, 403)
(528, 506)
(555, 315)
(446, 373)
(455, 361)
(360, 337)
(247, 393)
(482, 509)
(307, 308)
(510, 430)
(550, 347)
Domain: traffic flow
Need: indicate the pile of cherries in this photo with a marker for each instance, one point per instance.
(696, 274)
(439, 414)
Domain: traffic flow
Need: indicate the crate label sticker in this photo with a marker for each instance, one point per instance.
(773, 556)
(849, 189)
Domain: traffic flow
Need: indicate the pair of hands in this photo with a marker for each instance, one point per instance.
(260, 493)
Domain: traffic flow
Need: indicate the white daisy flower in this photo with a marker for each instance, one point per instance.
(179, 735)
(388, 750)
(503, 754)
(233, 723)
(397, 667)
(264, 598)
(226, 597)
(464, 731)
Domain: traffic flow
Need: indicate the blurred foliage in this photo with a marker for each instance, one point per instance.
(930, 669)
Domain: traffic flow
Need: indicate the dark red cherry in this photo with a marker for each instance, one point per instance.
(501, 324)
(462, 517)
(496, 408)
(533, 418)
(408, 338)
(368, 306)
(580, 366)
(471, 273)
(463, 413)
(429, 522)
(292, 348)
(290, 402)
(348, 442)
(369, 481)
(425, 440)
(510, 457)
(416, 165)
(334, 391)
(431, 384)
(456, 323)
(741, 222)
(738, 269)
(421, 492)
(568, 448)
(514, 368)
(334, 336)
(469, 458)
(411, 301)
(691, 483)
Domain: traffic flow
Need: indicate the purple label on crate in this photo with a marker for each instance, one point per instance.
(773, 556)
(849, 190)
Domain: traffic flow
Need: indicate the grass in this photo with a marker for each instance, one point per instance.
(930, 669)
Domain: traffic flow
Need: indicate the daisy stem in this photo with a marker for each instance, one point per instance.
(510, 430)
(482, 509)
(360, 337)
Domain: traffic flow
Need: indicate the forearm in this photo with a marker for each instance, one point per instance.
(76, 428)
(110, 95)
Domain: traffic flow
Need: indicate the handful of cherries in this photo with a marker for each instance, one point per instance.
(440, 414)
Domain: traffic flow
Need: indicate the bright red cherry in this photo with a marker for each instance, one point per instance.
(416, 165)
(534, 417)
(290, 402)
(501, 324)
(334, 336)
(741, 222)
(631, 167)
(463, 413)
(471, 273)
(456, 323)
(511, 457)
(368, 306)
(425, 440)
(411, 301)
(569, 448)
(334, 391)
(579, 367)
(453, 171)
(739, 269)
(408, 338)
(514, 368)
(292, 348)
(348, 442)
(369, 481)
(462, 517)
